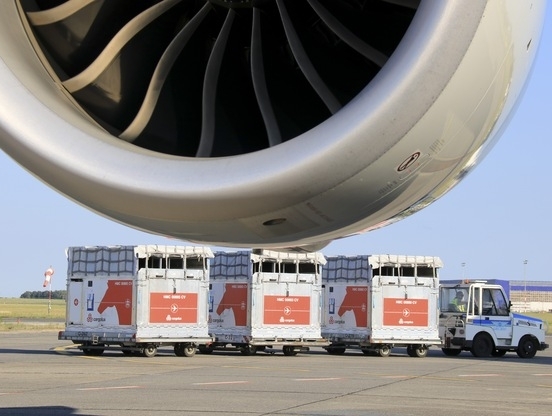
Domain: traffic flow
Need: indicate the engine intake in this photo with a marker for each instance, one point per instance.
(267, 123)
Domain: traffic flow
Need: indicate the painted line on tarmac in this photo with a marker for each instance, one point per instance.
(212, 383)
(300, 370)
(409, 376)
(318, 379)
(444, 378)
(480, 375)
(109, 388)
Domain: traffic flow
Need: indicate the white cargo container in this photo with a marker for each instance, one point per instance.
(137, 298)
(265, 299)
(377, 302)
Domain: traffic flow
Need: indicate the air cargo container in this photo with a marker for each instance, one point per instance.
(264, 300)
(137, 298)
(377, 302)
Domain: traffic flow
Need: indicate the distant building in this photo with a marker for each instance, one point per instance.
(534, 296)
(526, 296)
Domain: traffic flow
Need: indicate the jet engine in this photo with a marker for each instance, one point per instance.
(259, 123)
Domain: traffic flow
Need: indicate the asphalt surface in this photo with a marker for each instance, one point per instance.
(40, 375)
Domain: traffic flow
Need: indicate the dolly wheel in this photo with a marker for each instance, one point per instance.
(289, 351)
(149, 351)
(384, 351)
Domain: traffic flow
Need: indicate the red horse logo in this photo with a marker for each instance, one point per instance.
(356, 300)
(235, 298)
(119, 295)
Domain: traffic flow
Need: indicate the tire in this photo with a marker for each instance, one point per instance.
(289, 351)
(422, 352)
(204, 349)
(419, 351)
(527, 347)
(149, 351)
(499, 353)
(482, 345)
(336, 350)
(179, 349)
(88, 351)
(249, 350)
(384, 351)
(451, 352)
(189, 350)
(92, 352)
(184, 349)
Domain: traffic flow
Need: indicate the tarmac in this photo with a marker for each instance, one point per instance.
(40, 375)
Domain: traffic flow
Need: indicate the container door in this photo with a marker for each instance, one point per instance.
(76, 302)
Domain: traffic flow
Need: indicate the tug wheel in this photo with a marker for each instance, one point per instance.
(527, 347)
(483, 345)
(451, 352)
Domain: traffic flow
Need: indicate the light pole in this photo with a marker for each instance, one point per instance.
(463, 268)
(525, 285)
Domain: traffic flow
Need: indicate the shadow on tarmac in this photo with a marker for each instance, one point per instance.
(39, 410)
(21, 351)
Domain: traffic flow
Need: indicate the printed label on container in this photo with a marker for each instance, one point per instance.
(405, 312)
(287, 310)
(175, 308)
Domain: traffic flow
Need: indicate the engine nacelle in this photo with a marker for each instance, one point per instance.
(259, 123)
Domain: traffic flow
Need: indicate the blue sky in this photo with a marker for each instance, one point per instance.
(493, 221)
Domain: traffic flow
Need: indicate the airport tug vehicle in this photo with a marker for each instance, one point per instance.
(477, 317)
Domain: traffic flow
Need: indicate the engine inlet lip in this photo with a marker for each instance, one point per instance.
(200, 196)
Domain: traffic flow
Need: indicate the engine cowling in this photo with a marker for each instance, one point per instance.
(264, 123)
